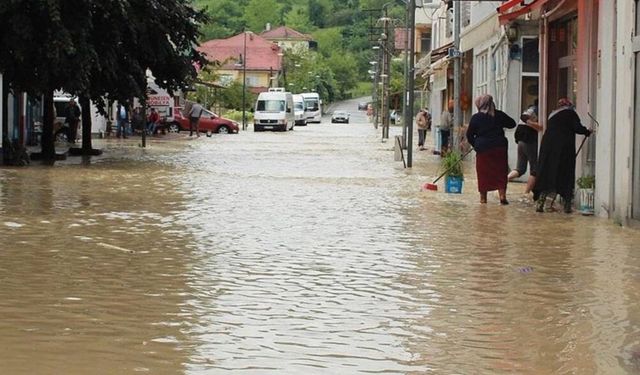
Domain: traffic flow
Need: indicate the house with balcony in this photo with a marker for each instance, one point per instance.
(249, 54)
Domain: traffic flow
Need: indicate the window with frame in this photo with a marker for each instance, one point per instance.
(252, 81)
(482, 73)
(501, 61)
(425, 43)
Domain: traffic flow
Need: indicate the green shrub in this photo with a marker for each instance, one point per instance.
(452, 163)
(587, 182)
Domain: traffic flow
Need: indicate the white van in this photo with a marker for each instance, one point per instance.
(298, 110)
(274, 111)
(312, 106)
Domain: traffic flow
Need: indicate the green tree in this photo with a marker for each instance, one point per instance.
(226, 18)
(345, 69)
(260, 12)
(77, 46)
(329, 40)
(298, 18)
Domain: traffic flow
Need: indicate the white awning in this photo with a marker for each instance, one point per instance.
(480, 33)
(439, 69)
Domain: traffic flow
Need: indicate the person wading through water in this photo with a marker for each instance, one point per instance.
(557, 161)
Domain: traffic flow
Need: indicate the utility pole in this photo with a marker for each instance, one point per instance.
(457, 76)
(386, 59)
(405, 97)
(376, 80)
(411, 4)
(244, 82)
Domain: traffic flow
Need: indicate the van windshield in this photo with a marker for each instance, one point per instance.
(270, 105)
(298, 106)
(312, 104)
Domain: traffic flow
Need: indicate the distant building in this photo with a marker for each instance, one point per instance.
(289, 39)
(263, 60)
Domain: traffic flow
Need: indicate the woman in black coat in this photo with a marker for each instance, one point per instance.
(557, 160)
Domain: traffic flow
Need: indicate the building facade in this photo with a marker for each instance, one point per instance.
(523, 52)
(248, 54)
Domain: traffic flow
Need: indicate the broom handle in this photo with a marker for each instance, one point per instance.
(581, 144)
(451, 167)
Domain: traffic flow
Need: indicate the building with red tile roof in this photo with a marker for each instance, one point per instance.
(288, 38)
(263, 59)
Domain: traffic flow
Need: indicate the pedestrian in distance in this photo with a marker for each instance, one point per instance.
(423, 122)
(486, 135)
(72, 118)
(152, 121)
(122, 120)
(194, 119)
(526, 136)
(446, 123)
(557, 161)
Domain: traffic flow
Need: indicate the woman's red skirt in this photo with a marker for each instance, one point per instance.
(492, 167)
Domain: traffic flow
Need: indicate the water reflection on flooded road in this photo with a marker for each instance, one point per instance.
(307, 252)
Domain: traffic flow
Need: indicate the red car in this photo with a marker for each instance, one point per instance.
(209, 122)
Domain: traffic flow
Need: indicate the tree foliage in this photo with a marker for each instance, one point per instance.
(100, 49)
(342, 29)
(259, 13)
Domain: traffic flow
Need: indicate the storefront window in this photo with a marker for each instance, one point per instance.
(530, 55)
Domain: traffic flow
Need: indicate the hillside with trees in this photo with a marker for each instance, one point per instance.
(341, 28)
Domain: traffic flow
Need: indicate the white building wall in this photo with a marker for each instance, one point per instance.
(615, 99)
(480, 10)
(624, 117)
(605, 154)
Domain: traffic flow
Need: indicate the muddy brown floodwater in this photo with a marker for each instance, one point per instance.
(307, 252)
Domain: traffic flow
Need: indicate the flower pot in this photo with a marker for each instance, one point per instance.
(453, 184)
(586, 201)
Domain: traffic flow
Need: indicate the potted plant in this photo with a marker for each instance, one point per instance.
(586, 184)
(454, 177)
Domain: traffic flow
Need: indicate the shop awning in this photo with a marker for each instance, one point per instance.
(513, 9)
(440, 52)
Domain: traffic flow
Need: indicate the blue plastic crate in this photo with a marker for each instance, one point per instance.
(453, 184)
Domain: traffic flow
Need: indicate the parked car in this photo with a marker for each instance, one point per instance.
(209, 122)
(362, 106)
(340, 116)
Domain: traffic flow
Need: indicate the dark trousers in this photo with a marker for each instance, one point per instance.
(73, 131)
(444, 134)
(193, 125)
(422, 134)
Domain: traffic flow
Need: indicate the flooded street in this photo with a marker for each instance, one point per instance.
(305, 252)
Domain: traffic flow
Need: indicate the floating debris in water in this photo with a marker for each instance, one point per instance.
(12, 224)
(108, 246)
(527, 269)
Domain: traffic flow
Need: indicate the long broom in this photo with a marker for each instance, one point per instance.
(432, 186)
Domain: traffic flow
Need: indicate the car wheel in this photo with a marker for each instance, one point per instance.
(223, 130)
(347, 121)
(174, 127)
